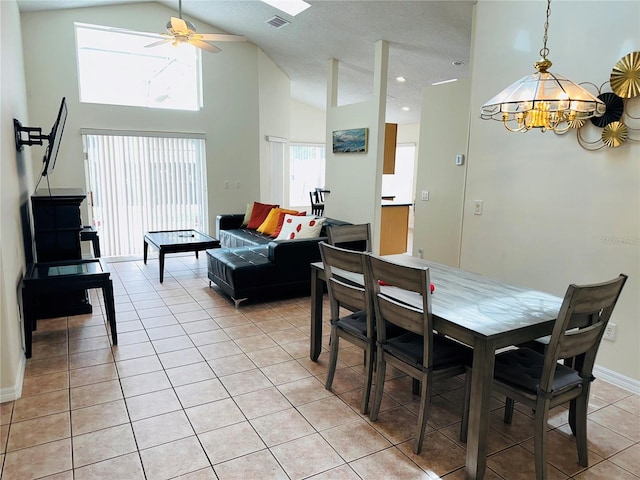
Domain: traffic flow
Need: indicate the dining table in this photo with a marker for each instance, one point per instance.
(482, 312)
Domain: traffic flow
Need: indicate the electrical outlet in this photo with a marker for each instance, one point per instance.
(610, 332)
(425, 195)
(477, 208)
(420, 253)
(226, 184)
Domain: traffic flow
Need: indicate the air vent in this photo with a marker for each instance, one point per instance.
(278, 22)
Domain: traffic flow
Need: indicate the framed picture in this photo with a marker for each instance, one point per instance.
(350, 141)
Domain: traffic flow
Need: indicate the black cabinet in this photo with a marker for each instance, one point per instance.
(57, 224)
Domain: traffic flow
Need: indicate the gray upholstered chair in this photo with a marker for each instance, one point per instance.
(357, 325)
(540, 382)
(353, 237)
(418, 352)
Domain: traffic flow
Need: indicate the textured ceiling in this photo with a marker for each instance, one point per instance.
(425, 38)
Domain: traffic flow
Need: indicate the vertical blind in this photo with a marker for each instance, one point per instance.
(141, 182)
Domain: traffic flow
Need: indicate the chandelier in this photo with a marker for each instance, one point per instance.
(543, 100)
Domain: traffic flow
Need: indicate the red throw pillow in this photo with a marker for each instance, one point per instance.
(258, 214)
(281, 221)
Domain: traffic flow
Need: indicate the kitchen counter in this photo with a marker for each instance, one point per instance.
(394, 227)
(395, 203)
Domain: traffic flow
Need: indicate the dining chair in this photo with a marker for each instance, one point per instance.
(317, 207)
(352, 237)
(356, 326)
(419, 353)
(540, 382)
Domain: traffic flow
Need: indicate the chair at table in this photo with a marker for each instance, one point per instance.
(357, 326)
(419, 353)
(352, 237)
(317, 207)
(540, 382)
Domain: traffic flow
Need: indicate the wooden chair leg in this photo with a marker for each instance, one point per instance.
(509, 405)
(464, 425)
(572, 416)
(415, 386)
(540, 438)
(582, 403)
(368, 366)
(381, 366)
(425, 394)
(333, 358)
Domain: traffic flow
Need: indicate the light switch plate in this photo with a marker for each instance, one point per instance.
(460, 159)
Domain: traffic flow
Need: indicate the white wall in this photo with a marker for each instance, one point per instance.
(355, 179)
(230, 119)
(307, 123)
(550, 206)
(15, 188)
(443, 134)
(275, 95)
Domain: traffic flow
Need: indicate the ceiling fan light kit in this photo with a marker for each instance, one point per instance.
(543, 100)
(182, 31)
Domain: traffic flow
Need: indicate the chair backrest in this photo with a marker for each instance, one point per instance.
(345, 271)
(320, 194)
(415, 280)
(317, 207)
(353, 237)
(592, 306)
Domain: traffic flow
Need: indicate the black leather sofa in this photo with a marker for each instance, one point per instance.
(253, 265)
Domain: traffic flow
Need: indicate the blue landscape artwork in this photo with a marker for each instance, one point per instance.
(350, 141)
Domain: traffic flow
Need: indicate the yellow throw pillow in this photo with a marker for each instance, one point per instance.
(271, 222)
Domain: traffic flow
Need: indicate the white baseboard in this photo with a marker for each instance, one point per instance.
(616, 379)
(9, 394)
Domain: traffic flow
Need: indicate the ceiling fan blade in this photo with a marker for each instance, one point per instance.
(179, 26)
(159, 42)
(204, 46)
(221, 37)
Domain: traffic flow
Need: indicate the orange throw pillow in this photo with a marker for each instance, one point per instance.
(276, 232)
(259, 213)
(271, 222)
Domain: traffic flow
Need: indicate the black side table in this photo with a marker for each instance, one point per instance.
(64, 276)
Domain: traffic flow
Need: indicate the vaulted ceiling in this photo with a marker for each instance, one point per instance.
(429, 41)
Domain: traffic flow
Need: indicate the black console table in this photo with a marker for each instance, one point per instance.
(57, 229)
(60, 278)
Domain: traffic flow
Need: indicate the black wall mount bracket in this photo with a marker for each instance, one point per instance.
(34, 135)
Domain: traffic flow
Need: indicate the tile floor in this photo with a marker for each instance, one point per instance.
(199, 390)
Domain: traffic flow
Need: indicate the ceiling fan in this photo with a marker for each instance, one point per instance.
(183, 31)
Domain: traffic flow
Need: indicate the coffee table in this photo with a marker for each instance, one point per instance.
(177, 241)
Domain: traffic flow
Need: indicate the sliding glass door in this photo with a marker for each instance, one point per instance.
(140, 182)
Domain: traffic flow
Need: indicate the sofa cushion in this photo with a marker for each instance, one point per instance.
(259, 213)
(297, 227)
(242, 237)
(281, 222)
(271, 222)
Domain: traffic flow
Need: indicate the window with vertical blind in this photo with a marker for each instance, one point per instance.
(307, 168)
(141, 182)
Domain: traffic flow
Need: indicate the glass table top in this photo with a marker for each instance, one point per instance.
(59, 269)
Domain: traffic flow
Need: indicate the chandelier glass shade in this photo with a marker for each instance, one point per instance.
(543, 100)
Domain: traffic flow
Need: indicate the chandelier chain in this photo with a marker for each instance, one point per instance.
(545, 51)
